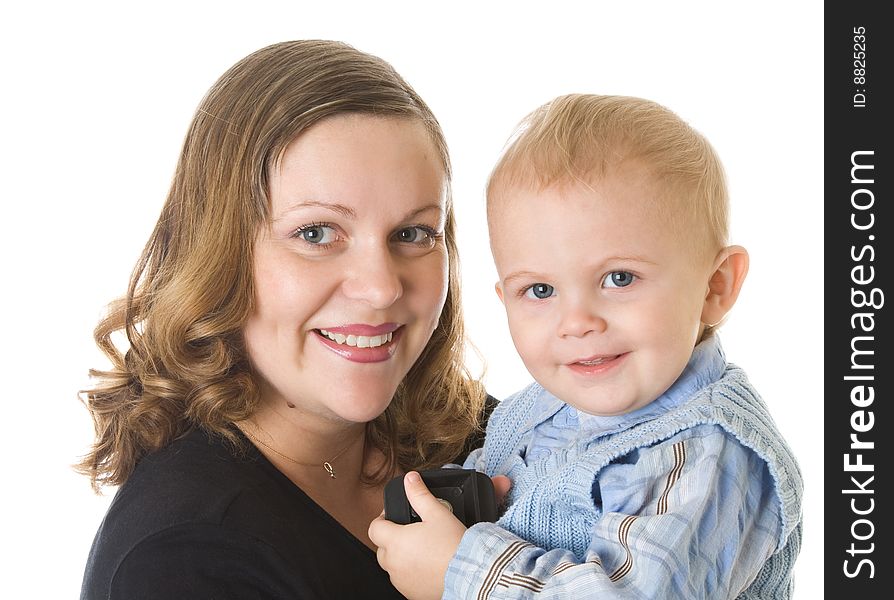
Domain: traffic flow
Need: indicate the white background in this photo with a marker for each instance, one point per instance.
(97, 97)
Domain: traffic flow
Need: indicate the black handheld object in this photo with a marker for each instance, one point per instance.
(468, 493)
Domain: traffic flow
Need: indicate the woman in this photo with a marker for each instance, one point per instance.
(295, 339)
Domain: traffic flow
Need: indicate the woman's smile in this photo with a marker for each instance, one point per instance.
(360, 342)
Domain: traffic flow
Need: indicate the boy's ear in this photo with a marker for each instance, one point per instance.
(729, 270)
(499, 289)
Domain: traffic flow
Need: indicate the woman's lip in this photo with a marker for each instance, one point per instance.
(362, 355)
(363, 329)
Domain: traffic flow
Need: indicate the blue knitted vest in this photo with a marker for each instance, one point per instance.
(551, 502)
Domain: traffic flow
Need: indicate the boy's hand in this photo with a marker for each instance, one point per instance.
(416, 555)
(502, 484)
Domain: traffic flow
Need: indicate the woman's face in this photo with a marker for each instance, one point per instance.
(351, 275)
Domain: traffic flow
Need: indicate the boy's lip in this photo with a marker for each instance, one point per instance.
(597, 364)
(596, 358)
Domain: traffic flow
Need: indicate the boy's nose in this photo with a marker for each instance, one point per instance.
(579, 320)
(373, 279)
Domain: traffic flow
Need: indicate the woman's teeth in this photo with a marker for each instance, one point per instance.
(360, 341)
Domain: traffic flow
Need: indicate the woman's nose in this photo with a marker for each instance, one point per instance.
(578, 319)
(373, 278)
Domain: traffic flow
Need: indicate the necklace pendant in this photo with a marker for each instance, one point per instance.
(329, 469)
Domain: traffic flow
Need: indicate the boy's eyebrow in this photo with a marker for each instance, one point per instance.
(534, 275)
(631, 258)
(519, 275)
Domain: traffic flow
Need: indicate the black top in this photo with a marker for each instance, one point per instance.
(196, 520)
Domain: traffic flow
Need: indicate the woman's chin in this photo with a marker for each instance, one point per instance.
(361, 407)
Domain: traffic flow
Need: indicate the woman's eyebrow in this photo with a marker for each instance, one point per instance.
(414, 213)
(349, 212)
(341, 209)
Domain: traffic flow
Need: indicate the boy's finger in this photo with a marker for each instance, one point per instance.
(379, 530)
(422, 500)
(380, 556)
(502, 484)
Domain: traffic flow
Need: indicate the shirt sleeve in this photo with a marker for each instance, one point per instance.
(695, 517)
(475, 460)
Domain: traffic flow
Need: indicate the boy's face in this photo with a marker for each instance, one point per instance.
(604, 300)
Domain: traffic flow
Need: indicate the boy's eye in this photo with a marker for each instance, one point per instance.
(317, 234)
(618, 279)
(418, 235)
(540, 291)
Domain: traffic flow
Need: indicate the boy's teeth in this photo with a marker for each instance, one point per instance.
(360, 341)
(595, 361)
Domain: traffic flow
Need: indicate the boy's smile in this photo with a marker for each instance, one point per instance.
(597, 364)
(603, 292)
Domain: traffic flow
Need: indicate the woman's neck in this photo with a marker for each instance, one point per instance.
(300, 445)
(322, 448)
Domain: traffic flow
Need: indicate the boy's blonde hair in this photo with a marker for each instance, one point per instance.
(579, 138)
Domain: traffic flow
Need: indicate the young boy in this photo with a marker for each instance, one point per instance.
(642, 464)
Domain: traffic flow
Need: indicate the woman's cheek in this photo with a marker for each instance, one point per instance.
(431, 280)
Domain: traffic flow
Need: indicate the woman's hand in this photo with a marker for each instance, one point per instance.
(416, 555)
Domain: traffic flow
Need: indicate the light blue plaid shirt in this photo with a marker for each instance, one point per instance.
(694, 514)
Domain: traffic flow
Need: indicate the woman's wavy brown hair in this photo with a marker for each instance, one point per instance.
(192, 288)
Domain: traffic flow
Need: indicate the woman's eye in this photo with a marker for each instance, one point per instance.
(539, 291)
(418, 235)
(317, 234)
(618, 279)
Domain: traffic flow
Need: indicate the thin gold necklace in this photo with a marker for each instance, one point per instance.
(327, 464)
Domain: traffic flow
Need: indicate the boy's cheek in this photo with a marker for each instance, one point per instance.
(529, 322)
(529, 337)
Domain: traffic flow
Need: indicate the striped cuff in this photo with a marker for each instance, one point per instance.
(484, 554)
